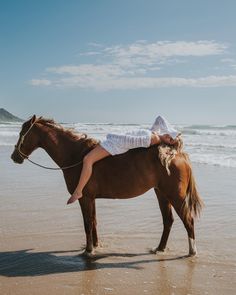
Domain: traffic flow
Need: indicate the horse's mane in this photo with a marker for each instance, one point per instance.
(69, 132)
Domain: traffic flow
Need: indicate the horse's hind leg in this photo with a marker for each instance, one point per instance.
(188, 221)
(168, 220)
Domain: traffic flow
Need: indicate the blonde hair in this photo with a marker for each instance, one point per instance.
(168, 152)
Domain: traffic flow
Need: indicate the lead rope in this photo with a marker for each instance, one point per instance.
(54, 168)
(46, 167)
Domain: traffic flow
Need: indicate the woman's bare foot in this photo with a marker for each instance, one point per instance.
(75, 196)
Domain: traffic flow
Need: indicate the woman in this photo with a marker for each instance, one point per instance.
(114, 144)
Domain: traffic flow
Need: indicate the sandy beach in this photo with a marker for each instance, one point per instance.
(42, 239)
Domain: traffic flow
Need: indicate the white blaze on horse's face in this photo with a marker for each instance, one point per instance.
(26, 143)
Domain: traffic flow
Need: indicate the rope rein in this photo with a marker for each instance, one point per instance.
(24, 156)
(54, 168)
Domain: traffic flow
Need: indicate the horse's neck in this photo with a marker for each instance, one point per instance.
(57, 145)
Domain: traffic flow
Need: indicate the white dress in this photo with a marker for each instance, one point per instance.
(121, 143)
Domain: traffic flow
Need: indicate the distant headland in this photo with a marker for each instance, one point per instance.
(5, 116)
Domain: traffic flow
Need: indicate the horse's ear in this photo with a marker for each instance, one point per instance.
(33, 119)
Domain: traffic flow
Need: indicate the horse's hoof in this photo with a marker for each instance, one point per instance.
(88, 254)
(192, 253)
(157, 251)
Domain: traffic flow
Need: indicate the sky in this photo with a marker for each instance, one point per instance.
(119, 61)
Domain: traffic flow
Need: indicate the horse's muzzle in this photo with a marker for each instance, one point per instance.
(16, 157)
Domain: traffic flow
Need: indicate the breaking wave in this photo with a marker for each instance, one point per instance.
(206, 144)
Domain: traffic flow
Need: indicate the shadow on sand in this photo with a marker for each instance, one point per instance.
(26, 263)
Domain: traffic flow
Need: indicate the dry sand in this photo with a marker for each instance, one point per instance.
(42, 239)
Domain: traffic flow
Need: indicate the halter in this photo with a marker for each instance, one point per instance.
(24, 156)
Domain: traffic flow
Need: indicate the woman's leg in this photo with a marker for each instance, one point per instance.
(93, 156)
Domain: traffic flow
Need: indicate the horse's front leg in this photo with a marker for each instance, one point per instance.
(95, 236)
(87, 204)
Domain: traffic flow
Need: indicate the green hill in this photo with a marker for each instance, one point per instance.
(5, 116)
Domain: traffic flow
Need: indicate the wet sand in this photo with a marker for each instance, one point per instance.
(42, 239)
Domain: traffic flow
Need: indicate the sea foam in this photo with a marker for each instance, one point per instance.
(206, 144)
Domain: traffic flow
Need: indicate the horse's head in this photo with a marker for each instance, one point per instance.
(28, 141)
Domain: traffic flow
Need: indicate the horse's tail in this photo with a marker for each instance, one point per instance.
(193, 203)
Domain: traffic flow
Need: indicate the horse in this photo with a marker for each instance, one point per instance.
(122, 176)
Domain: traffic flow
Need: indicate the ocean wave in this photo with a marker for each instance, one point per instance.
(205, 144)
(10, 144)
(216, 160)
(216, 146)
(105, 124)
(210, 127)
(10, 123)
(4, 133)
(209, 132)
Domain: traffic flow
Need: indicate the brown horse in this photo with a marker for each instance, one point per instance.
(122, 176)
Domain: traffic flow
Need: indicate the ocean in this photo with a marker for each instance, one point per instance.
(206, 144)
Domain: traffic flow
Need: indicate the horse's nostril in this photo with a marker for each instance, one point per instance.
(12, 156)
(17, 158)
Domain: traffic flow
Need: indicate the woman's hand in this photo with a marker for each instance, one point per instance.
(155, 138)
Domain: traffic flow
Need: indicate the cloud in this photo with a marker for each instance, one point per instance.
(88, 70)
(227, 60)
(137, 66)
(145, 82)
(231, 62)
(90, 53)
(153, 53)
(38, 82)
(111, 83)
(95, 44)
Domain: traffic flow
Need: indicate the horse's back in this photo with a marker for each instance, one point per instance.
(126, 175)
